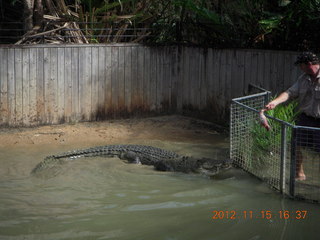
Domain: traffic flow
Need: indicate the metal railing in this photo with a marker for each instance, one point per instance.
(272, 156)
(92, 32)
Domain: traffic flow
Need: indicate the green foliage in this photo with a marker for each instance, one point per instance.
(281, 24)
(295, 26)
(267, 139)
(13, 2)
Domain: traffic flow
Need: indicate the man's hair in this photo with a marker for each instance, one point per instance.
(307, 57)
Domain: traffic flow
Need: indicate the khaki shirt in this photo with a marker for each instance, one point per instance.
(308, 94)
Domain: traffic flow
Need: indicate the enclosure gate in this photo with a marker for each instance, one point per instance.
(272, 155)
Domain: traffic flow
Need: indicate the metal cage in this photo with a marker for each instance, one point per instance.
(272, 155)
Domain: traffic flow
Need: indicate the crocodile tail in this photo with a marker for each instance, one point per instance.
(48, 163)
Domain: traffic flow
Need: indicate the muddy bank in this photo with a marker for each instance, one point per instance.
(170, 128)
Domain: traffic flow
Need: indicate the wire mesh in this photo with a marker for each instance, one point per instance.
(252, 147)
(307, 153)
(275, 156)
(68, 32)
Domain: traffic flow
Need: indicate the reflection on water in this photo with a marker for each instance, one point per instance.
(99, 198)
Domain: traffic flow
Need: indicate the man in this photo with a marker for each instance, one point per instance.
(307, 91)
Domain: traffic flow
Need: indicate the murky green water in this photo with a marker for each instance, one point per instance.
(105, 198)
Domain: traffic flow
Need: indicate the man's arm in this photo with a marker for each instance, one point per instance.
(275, 102)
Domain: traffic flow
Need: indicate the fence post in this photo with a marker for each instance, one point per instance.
(283, 157)
(293, 163)
(268, 96)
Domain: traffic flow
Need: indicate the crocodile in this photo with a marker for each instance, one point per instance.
(162, 160)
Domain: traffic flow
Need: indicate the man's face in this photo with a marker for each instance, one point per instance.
(309, 68)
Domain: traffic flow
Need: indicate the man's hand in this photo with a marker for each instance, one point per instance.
(271, 105)
(280, 99)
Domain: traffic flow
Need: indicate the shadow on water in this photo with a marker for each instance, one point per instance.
(105, 198)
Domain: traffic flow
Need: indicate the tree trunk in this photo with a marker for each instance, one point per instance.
(28, 15)
(51, 8)
(38, 13)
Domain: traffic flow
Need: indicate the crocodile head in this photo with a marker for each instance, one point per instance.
(205, 166)
(211, 167)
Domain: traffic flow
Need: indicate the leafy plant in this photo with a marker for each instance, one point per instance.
(286, 113)
(266, 144)
(294, 26)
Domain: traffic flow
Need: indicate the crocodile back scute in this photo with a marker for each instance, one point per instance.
(143, 150)
(146, 154)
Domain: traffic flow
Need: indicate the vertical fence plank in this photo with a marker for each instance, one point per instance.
(294, 73)
(4, 108)
(193, 90)
(174, 76)
(94, 82)
(216, 79)
(273, 72)
(108, 81)
(146, 77)
(68, 84)
(25, 86)
(165, 72)
(82, 83)
(190, 92)
(153, 89)
(40, 86)
(199, 77)
(186, 77)
(101, 84)
(87, 91)
(237, 72)
(121, 80)
(228, 79)
(47, 85)
(222, 81)
(75, 78)
(160, 80)
(33, 87)
(288, 68)
(61, 86)
(193, 68)
(11, 87)
(114, 79)
(134, 80)
(260, 67)
(85, 65)
(233, 69)
(247, 70)
(128, 78)
(281, 64)
(266, 71)
(140, 77)
(19, 86)
(179, 79)
(254, 68)
(168, 78)
(203, 85)
(52, 87)
(210, 71)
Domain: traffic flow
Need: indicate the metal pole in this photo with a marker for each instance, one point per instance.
(267, 98)
(283, 158)
(293, 163)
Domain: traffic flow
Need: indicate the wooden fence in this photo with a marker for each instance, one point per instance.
(50, 84)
